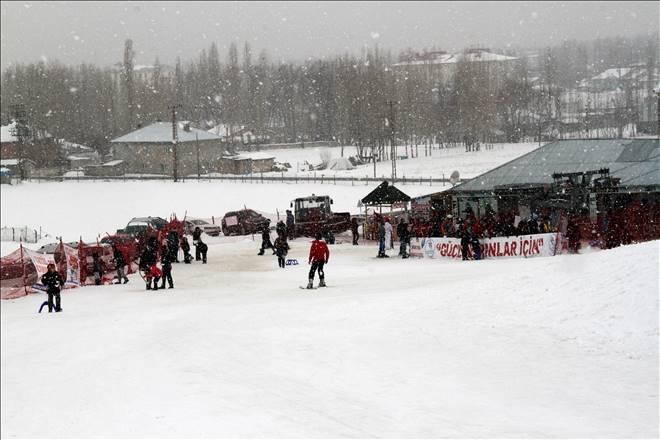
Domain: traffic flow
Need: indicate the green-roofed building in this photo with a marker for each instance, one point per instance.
(622, 169)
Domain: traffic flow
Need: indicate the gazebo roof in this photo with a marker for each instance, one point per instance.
(385, 194)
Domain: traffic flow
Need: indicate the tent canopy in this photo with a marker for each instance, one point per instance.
(385, 194)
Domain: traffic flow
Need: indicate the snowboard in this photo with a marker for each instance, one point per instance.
(45, 304)
(313, 288)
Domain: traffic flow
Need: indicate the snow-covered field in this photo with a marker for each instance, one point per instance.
(441, 162)
(73, 209)
(548, 347)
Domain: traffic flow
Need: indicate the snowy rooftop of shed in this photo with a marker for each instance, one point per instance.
(161, 132)
(635, 161)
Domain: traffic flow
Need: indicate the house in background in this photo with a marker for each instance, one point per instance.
(149, 150)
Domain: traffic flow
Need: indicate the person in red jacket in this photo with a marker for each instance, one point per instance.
(318, 256)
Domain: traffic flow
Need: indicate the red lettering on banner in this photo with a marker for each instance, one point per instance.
(535, 247)
(499, 254)
(506, 249)
(513, 248)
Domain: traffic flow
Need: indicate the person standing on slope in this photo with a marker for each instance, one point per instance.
(281, 250)
(354, 230)
(388, 234)
(318, 256)
(265, 238)
(53, 282)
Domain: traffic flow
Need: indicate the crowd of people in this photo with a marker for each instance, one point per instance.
(614, 227)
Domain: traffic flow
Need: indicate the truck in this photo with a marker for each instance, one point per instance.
(313, 214)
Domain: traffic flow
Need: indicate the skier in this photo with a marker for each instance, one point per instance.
(290, 224)
(120, 263)
(318, 256)
(281, 249)
(166, 263)
(98, 271)
(404, 238)
(388, 234)
(265, 238)
(53, 282)
(185, 247)
(197, 238)
(354, 230)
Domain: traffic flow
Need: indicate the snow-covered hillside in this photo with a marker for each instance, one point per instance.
(549, 347)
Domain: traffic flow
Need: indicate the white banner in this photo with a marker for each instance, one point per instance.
(72, 267)
(523, 246)
(41, 262)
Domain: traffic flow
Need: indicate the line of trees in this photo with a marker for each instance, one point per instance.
(342, 98)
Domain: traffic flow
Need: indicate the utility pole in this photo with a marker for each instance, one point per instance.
(175, 140)
(197, 145)
(390, 124)
(22, 132)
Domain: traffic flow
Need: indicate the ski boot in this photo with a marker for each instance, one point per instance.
(310, 285)
(322, 283)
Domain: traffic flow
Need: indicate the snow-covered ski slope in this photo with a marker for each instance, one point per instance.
(547, 347)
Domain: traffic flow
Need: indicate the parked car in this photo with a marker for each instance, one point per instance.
(139, 225)
(206, 227)
(243, 222)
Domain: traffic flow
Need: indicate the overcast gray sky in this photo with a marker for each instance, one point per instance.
(75, 32)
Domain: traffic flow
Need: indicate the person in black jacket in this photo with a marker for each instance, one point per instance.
(464, 235)
(97, 269)
(404, 238)
(280, 228)
(53, 282)
(354, 230)
(120, 263)
(265, 238)
(290, 224)
(281, 249)
(166, 263)
(185, 247)
(203, 248)
(173, 246)
(197, 238)
(148, 259)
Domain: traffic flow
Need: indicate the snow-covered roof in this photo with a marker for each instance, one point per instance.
(161, 132)
(613, 73)
(112, 163)
(257, 155)
(72, 145)
(7, 133)
(8, 162)
(74, 157)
